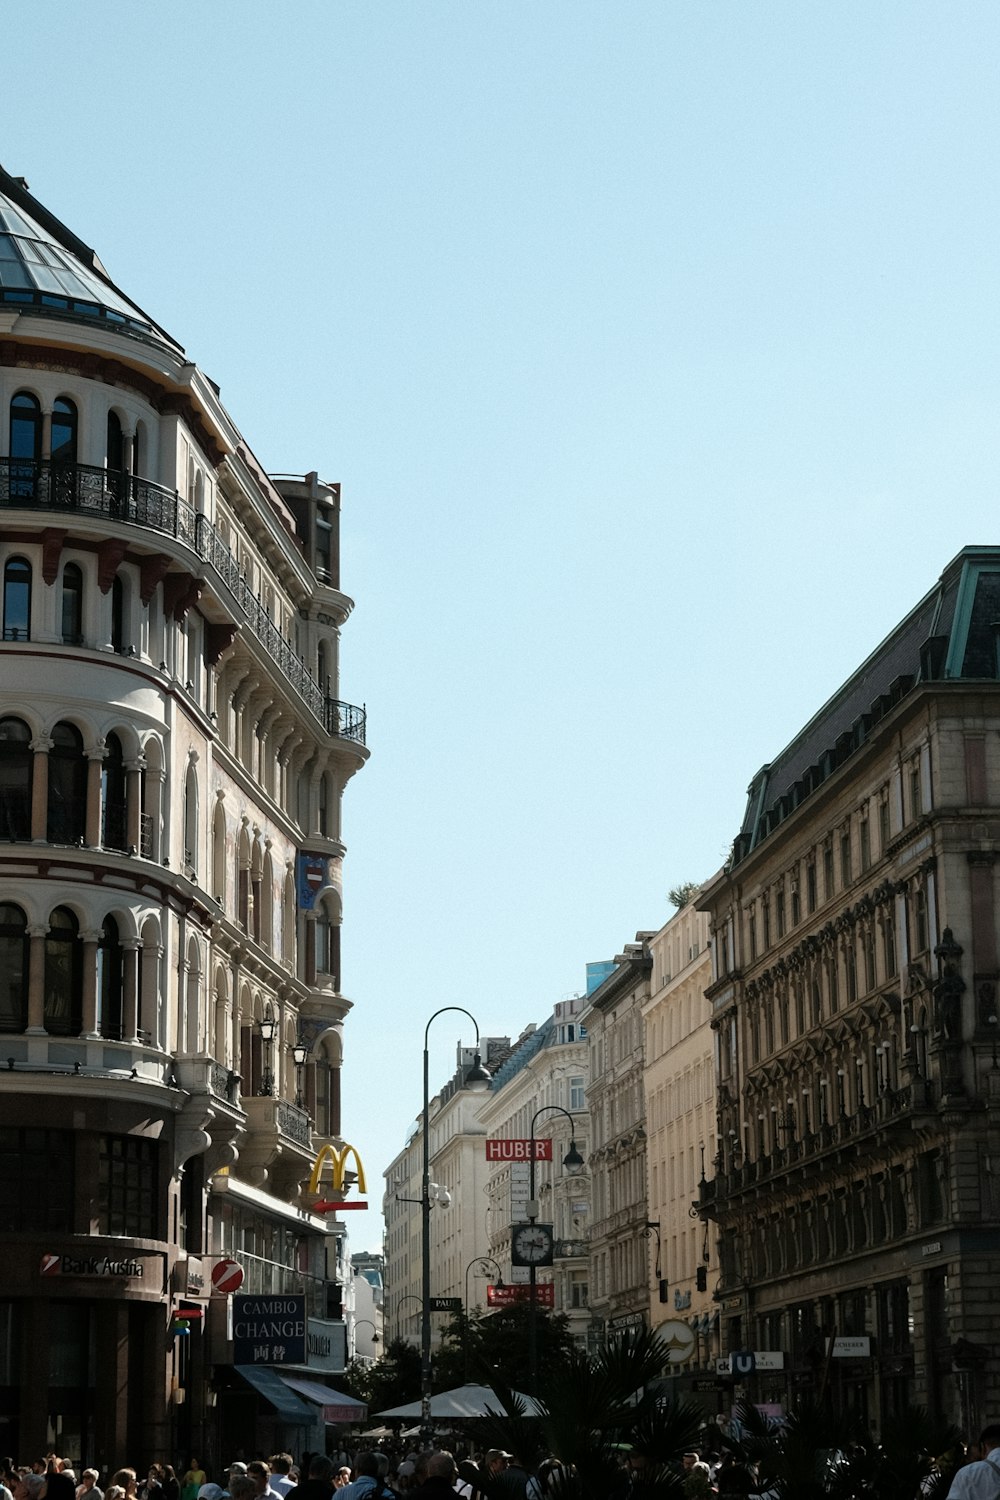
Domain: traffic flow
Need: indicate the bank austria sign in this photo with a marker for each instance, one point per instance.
(269, 1330)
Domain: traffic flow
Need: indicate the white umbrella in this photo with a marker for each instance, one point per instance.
(464, 1401)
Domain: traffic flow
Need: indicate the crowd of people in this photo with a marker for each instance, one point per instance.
(390, 1471)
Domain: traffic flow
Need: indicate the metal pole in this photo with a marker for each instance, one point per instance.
(532, 1311)
(425, 1230)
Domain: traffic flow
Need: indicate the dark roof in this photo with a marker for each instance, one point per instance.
(951, 633)
(47, 268)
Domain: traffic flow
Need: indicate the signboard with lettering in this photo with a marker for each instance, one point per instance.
(506, 1296)
(763, 1359)
(856, 1348)
(446, 1304)
(326, 1347)
(518, 1150)
(269, 1330)
(131, 1267)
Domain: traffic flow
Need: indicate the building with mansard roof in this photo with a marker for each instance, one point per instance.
(174, 750)
(855, 968)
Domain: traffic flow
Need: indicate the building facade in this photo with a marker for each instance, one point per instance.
(542, 1082)
(855, 959)
(619, 1239)
(173, 754)
(679, 1083)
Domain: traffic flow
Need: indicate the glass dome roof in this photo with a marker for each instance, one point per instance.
(38, 271)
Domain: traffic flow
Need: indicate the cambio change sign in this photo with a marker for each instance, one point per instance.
(269, 1330)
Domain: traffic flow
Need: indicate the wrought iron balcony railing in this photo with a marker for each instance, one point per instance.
(85, 490)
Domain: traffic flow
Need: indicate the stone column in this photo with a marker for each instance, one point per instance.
(130, 964)
(90, 941)
(40, 789)
(36, 980)
(95, 812)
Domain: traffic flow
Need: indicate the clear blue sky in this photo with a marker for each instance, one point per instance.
(655, 347)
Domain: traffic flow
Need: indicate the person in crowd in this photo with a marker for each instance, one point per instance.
(242, 1487)
(192, 1480)
(369, 1483)
(281, 1465)
(260, 1473)
(87, 1488)
(980, 1480)
(341, 1477)
(318, 1484)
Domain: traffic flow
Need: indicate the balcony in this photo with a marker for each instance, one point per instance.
(278, 1148)
(867, 1128)
(97, 494)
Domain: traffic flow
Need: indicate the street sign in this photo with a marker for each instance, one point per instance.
(742, 1363)
(763, 1359)
(518, 1150)
(446, 1304)
(227, 1276)
(848, 1348)
(507, 1296)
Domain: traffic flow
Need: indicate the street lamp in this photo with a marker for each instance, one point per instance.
(361, 1323)
(574, 1164)
(406, 1297)
(478, 1080)
(299, 1054)
(482, 1261)
(266, 1026)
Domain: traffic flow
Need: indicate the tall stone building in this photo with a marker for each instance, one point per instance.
(679, 1082)
(173, 754)
(855, 960)
(619, 1244)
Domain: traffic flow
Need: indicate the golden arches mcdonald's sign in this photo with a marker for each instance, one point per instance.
(338, 1157)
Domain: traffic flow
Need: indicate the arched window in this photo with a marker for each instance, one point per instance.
(191, 820)
(64, 425)
(114, 821)
(118, 615)
(324, 943)
(218, 886)
(63, 974)
(17, 599)
(72, 605)
(139, 456)
(25, 445)
(67, 810)
(15, 780)
(13, 968)
(115, 460)
(110, 983)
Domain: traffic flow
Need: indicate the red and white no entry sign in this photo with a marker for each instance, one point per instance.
(227, 1276)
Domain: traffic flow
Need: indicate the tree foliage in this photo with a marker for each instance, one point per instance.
(488, 1347)
(680, 895)
(390, 1381)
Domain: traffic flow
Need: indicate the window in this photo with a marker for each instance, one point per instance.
(916, 807)
(889, 939)
(846, 871)
(919, 920)
(25, 445)
(779, 910)
(883, 823)
(811, 886)
(67, 809)
(13, 968)
(15, 779)
(63, 975)
(127, 1186)
(767, 924)
(827, 871)
(865, 840)
(796, 906)
(72, 605)
(114, 834)
(118, 616)
(37, 1175)
(17, 600)
(115, 444)
(752, 926)
(110, 983)
(324, 946)
(577, 1094)
(64, 424)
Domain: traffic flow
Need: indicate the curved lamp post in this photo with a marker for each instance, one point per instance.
(483, 1261)
(574, 1165)
(478, 1080)
(406, 1297)
(366, 1323)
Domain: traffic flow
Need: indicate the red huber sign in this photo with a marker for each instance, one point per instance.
(497, 1150)
(506, 1296)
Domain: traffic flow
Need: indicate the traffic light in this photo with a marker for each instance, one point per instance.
(663, 1291)
(701, 1278)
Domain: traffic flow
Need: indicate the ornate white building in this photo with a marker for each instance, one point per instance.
(173, 754)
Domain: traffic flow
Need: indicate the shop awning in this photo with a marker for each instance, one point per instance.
(277, 1394)
(337, 1407)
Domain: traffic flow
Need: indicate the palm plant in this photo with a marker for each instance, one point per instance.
(601, 1413)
